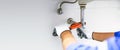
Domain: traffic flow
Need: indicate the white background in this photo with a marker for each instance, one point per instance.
(28, 24)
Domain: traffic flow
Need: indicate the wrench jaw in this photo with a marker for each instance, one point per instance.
(77, 25)
(81, 34)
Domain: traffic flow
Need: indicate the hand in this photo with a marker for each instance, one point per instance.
(61, 28)
(86, 33)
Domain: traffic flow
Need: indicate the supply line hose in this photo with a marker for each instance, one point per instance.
(59, 10)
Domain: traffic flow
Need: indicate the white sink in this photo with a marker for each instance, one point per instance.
(84, 1)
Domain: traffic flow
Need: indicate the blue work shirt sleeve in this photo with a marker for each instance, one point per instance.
(79, 46)
(114, 42)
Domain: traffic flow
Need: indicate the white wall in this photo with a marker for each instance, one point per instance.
(28, 24)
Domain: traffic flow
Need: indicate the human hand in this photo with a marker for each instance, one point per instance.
(61, 28)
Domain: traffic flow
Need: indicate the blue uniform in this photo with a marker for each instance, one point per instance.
(112, 43)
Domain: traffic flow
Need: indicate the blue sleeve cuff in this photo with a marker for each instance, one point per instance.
(79, 46)
(72, 46)
(117, 34)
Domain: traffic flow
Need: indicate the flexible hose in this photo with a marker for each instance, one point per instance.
(67, 2)
(59, 11)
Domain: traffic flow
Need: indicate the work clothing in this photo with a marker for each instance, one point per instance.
(112, 43)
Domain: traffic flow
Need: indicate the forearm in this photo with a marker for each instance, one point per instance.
(100, 36)
(67, 39)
